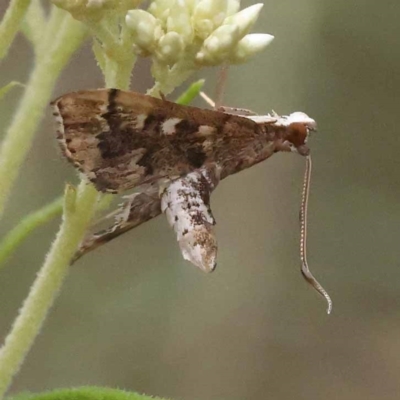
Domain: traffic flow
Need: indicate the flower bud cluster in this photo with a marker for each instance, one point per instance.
(211, 31)
(95, 9)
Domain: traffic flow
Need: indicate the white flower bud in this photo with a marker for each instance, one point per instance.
(250, 45)
(191, 5)
(179, 21)
(170, 48)
(245, 19)
(95, 9)
(203, 28)
(160, 9)
(217, 47)
(145, 29)
(96, 3)
(77, 8)
(233, 7)
(130, 4)
(209, 15)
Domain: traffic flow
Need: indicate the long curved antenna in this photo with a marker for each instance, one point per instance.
(305, 270)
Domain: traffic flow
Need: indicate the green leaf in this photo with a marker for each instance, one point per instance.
(10, 23)
(29, 223)
(192, 92)
(84, 393)
(5, 89)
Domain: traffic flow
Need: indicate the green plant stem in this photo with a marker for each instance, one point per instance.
(10, 24)
(167, 79)
(18, 138)
(32, 221)
(79, 207)
(117, 73)
(110, 44)
(32, 26)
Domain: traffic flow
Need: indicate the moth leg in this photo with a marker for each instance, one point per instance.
(225, 109)
(236, 111)
(207, 99)
(186, 203)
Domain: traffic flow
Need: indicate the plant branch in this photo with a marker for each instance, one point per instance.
(10, 24)
(79, 207)
(19, 135)
(32, 26)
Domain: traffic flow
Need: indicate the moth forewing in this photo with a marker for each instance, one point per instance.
(122, 139)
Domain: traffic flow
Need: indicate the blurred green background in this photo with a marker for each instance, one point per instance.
(134, 315)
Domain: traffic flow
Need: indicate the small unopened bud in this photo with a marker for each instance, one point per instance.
(245, 19)
(145, 29)
(209, 15)
(232, 7)
(179, 21)
(160, 8)
(95, 9)
(250, 45)
(170, 48)
(218, 46)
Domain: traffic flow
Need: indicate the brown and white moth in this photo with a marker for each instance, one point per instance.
(174, 156)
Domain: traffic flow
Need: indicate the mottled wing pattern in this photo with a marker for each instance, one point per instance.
(186, 202)
(136, 209)
(120, 139)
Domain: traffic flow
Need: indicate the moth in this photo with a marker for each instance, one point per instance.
(173, 156)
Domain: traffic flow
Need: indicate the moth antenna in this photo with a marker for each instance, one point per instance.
(222, 77)
(305, 270)
(207, 99)
(221, 82)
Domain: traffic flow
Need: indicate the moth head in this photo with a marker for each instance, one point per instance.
(298, 127)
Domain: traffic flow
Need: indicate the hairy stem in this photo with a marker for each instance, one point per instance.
(18, 138)
(32, 26)
(167, 79)
(79, 207)
(118, 73)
